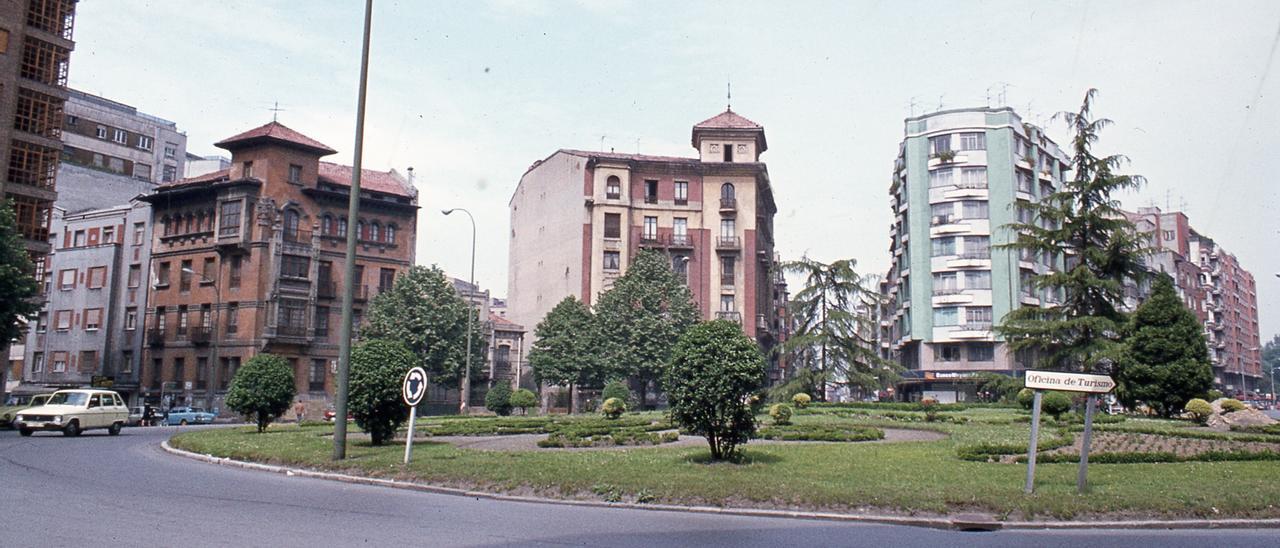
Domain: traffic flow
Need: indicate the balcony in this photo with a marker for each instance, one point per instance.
(728, 204)
(297, 242)
(650, 240)
(939, 220)
(682, 241)
(326, 290)
(726, 279)
(361, 293)
(155, 337)
(650, 198)
(293, 331)
(945, 291)
(200, 335)
(728, 243)
(735, 317)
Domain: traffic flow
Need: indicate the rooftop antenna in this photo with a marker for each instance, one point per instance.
(602, 142)
(637, 145)
(728, 94)
(275, 109)
(940, 101)
(912, 105)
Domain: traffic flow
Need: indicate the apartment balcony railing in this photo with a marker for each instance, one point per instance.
(651, 199)
(972, 184)
(291, 331)
(728, 243)
(726, 279)
(298, 236)
(944, 291)
(938, 220)
(681, 240)
(200, 335)
(326, 290)
(155, 337)
(650, 240)
(728, 204)
(975, 255)
(361, 293)
(735, 317)
(975, 326)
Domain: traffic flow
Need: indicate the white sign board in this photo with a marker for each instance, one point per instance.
(415, 386)
(1069, 382)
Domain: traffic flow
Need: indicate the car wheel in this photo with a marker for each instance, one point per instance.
(24, 432)
(72, 429)
(114, 430)
(182, 422)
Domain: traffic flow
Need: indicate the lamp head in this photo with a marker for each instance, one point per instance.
(447, 211)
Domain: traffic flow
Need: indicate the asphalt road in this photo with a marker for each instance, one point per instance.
(97, 490)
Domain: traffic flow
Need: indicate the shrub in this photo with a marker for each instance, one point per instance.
(1199, 409)
(1213, 395)
(1231, 405)
(801, 400)
(821, 432)
(1026, 398)
(378, 367)
(498, 399)
(714, 367)
(780, 413)
(262, 389)
(523, 399)
(1055, 404)
(616, 389)
(613, 408)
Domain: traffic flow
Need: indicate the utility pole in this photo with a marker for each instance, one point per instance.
(465, 396)
(349, 268)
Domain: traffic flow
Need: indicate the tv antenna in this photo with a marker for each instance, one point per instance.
(275, 110)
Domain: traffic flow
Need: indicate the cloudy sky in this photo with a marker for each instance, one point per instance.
(471, 93)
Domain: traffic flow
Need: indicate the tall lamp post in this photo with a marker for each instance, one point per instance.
(213, 336)
(466, 371)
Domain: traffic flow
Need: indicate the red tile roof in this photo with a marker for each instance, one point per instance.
(277, 132)
(504, 324)
(622, 156)
(727, 120)
(387, 182)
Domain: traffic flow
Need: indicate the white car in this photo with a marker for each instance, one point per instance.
(74, 411)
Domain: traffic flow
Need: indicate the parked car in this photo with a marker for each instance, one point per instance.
(74, 411)
(18, 402)
(330, 414)
(188, 415)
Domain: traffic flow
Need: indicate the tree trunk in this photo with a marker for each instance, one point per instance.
(4, 373)
(573, 398)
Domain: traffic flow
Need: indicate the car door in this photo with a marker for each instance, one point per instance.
(92, 416)
(119, 413)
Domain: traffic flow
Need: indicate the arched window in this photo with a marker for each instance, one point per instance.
(726, 191)
(391, 234)
(362, 231)
(374, 231)
(613, 188)
(326, 224)
(291, 221)
(342, 227)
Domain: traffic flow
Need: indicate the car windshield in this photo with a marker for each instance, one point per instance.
(68, 398)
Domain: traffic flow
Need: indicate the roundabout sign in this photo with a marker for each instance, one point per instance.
(413, 389)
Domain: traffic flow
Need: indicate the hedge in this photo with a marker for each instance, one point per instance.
(820, 432)
(1157, 457)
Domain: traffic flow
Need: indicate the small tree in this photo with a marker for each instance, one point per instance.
(780, 413)
(1199, 409)
(1055, 404)
(564, 351)
(801, 400)
(378, 368)
(714, 369)
(18, 289)
(1165, 361)
(616, 389)
(523, 399)
(498, 399)
(613, 408)
(262, 389)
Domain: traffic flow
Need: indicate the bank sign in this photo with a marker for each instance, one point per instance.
(1069, 382)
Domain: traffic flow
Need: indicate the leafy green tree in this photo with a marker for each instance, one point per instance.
(498, 399)
(641, 318)
(18, 289)
(1270, 359)
(378, 368)
(1082, 225)
(616, 389)
(715, 369)
(1165, 362)
(564, 351)
(1055, 404)
(523, 399)
(835, 330)
(423, 311)
(262, 389)
(997, 387)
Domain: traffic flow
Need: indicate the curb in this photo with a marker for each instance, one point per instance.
(965, 522)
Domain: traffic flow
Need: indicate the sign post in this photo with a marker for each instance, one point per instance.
(414, 387)
(1066, 382)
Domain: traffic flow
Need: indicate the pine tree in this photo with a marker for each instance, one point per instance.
(1082, 224)
(565, 350)
(641, 318)
(18, 289)
(1166, 360)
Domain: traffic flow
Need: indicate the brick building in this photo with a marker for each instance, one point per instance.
(578, 217)
(250, 259)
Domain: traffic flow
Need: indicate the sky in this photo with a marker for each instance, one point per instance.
(471, 93)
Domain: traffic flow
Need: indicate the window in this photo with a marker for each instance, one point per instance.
(96, 277)
(973, 177)
(170, 173)
(375, 232)
(1024, 215)
(945, 316)
(233, 321)
(160, 319)
(680, 231)
(210, 271)
(315, 377)
(144, 142)
(941, 177)
(295, 174)
(324, 277)
(942, 213)
(246, 170)
(1168, 235)
(293, 315)
(727, 303)
(120, 136)
(682, 192)
(170, 150)
(139, 233)
(362, 231)
(38, 113)
(977, 279)
(326, 224)
(179, 370)
(612, 225)
(945, 282)
(939, 144)
(948, 353)
(62, 320)
(202, 373)
(67, 279)
(184, 276)
(651, 192)
(322, 321)
(183, 319)
(386, 279)
(32, 164)
(727, 228)
(88, 361)
(727, 193)
(59, 362)
(131, 318)
(391, 234)
(973, 141)
(100, 132)
(612, 260)
(726, 270)
(78, 239)
(974, 209)
(294, 266)
(37, 362)
(977, 247)
(943, 247)
(978, 315)
(981, 352)
(229, 224)
(650, 229)
(108, 235)
(680, 265)
(292, 221)
(126, 362)
(342, 227)
(1024, 181)
(92, 319)
(206, 316)
(234, 272)
(613, 188)
(42, 322)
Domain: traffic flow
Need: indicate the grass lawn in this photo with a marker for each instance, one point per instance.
(907, 478)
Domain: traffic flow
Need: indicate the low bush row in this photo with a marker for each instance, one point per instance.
(987, 451)
(616, 437)
(1182, 433)
(820, 432)
(1157, 457)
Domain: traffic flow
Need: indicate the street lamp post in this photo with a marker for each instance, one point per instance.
(213, 337)
(466, 371)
